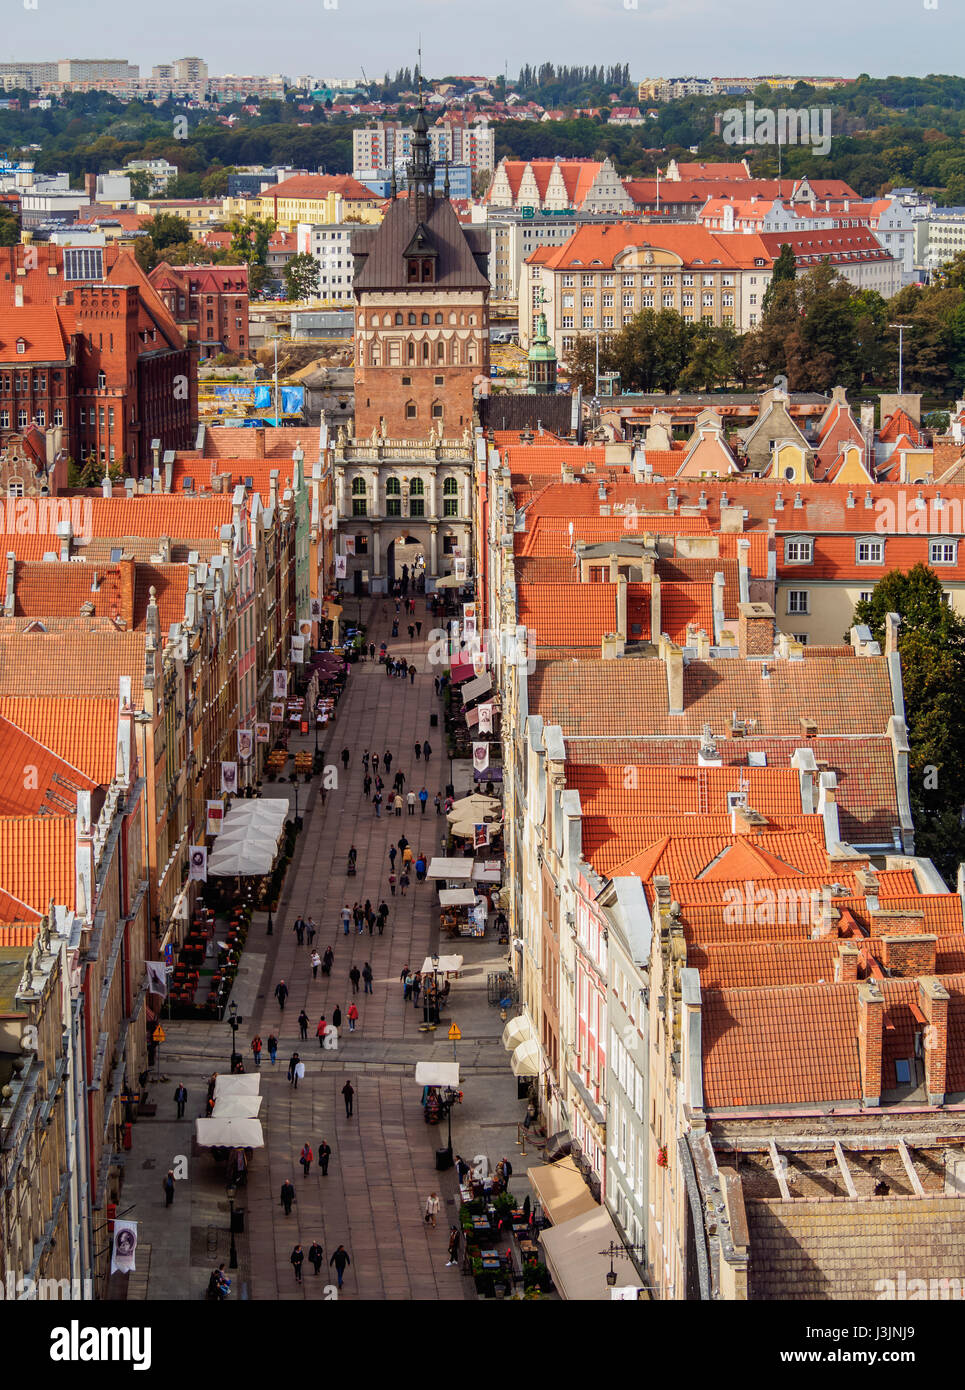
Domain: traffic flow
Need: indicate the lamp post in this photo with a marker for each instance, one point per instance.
(234, 1023)
(901, 352)
(233, 1252)
(620, 1250)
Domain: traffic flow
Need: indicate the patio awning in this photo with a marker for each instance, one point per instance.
(236, 1108)
(461, 671)
(229, 1134)
(457, 897)
(481, 874)
(448, 965)
(474, 688)
(244, 1084)
(450, 868)
(572, 1253)
(249, 838)
(450, 581)
(437, 1073)
(517, 1030)
(525, 1059)
(561, 1191)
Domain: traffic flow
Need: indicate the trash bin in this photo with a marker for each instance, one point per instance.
(434, 720)
(238, 1221)
(443, 1160)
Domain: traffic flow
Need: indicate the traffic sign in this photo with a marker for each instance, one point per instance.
(159, 1034)
(454, 1033)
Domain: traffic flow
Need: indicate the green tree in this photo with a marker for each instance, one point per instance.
(167, 229)
(931, 644)
(140, 183)
(785, 269)
(301, 277)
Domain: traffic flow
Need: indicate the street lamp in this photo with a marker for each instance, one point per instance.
(233, 1252)
(622, 1249)
(234, 1023)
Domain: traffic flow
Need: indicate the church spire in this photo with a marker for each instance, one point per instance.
(422, 171)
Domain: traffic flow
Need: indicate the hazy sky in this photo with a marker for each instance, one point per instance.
(656, 37)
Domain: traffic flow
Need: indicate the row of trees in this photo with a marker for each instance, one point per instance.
(816, 329)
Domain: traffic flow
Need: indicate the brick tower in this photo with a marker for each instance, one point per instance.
(421, 311)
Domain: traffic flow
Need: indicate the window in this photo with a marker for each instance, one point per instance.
(798, 552)
(864, 595)
(407, 381)
(608, 301)
(707, 280)
(587, 320)
(22, 419)
(870, 552)
(361, 545)
(41, 418)
(398, 320)
(942, 552)
(438, 318)
(628, 301)
(450, 497)
(438, 380)
(4, 419)
(417, 506)
(360, 505)
(567, 323)
(608, 279)
(437, 410)
(688, 279)
(668, 301)
(567, 280)
(647, 280)
(412, 319)
(393, 497)
(647, 300)
(101, 381)
(801, 637)
(15, 489)
(707, 301)
(797, 601)
(410, 410)
(628, 280)
(688, 301)
(588, 280)
(567, 301)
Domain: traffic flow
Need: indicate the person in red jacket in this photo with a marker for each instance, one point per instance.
(321, 1030)
(353, 1014)
(305, 1158)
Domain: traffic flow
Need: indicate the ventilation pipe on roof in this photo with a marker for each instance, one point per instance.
(9, 602)
(849, 502)
(672, 500)
(779, 502)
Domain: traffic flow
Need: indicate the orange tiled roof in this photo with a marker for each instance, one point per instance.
(567, 615)
(81, 730)
(34, 781)
(76, 660)
(37, 859)
(22, 935)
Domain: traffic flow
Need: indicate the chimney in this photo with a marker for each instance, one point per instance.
(933, 998)
(718, 605)
(155, 456)
(90, 186)
(744, 821)
(755, 629)
(703, 646)
(611, 646)
(64, 535)
(622, 608)
(674, 659)
(891, 633)
(10, 601)
(107, 487)
(846, 965)
(656, 622)
(129, 486)
(125, 567)
(18, 296)
(731, 518)
(672, 500)
(743, 570)
(871, 1006)
(273, 488)
(908, 957)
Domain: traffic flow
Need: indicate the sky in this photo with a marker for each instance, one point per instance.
(337, 38)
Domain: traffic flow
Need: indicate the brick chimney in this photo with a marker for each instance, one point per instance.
(897, 922)
(933, 998)
(908, 956)
(846, 965)
(871, 1008)
(125, 567)
(755, 629)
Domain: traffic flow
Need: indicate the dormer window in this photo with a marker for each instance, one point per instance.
(21, 345)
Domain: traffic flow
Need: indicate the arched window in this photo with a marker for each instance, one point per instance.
(417, 491)
(360, 495)
(437, 410)
(410, 410)
(453, 319)
(425, 318)
(393, 497)
(412, 318)
(438, 318)
(450, 497)
(387, 321)
(398, 319)
(417, 488)
(412, 352)
(425, 352)
(440, 352)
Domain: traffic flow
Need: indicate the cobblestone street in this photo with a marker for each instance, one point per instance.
(383, 1158)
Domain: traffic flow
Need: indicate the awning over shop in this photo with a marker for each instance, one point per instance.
(456, 897)
(561, 1190)
(517, 1030)
(229, 1134)
(249, 838)
(236, 1108)
(448, 965)
(572, 1254)
(481, 874)
(437, 1073)
(450, 868)
(450, 581)
(461, 671)
(474, 688)
(525, 1059)
(244, 1084)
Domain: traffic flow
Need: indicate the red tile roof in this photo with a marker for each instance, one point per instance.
(567, 615)
(81, 730)
(37, 860)
(34, 781)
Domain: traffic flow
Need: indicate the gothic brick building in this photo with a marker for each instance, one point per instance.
(421, 317)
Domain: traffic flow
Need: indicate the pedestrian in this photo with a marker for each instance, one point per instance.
(371, 651)
(395, 627)
(420, 868)
(399, 781)
(412, 675)
(316, 962)
(423, 799)
(427, 750)
(288, 1195)
(324, 1154)
(462, 1168)
(383, 915)
(321, 1030)
(292, 1064)
(272, 1048)
(438, 803)
(407, 857)
(397, 803)
(370, 921)
(336, 1017)
(375, 762)
(507, 1171)
(168, 1185)
(387, 763)
(355, 975)
(303, 1025)
(406, 984)
(299, 930)
(366, 786)
(310, 930)
(353, 1014)
(418, 751)
(416, 988)
(389, 667)
(305, 1158)
(256, 1049)
(340, 1259)
(345, 758)
(365, 760)
(410, 802)
(377, 802)
(367, 977)
(281, 993)
(403, 885)
(346, 917)
(328, 960)
(348, 1091)
(297, 1259)
(299, 1072)
(412, 632)
(315, 1257)
(402, 842)
(432, 1207)
(392, 853)
(454, 1237)
(435, 682)
(392, 884)
(180, 1099)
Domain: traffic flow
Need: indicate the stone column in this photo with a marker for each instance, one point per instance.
(339, 493)
(466, 497)
(433, 543)
(433, 507)
(376, 550)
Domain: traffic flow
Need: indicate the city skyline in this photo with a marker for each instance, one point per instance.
(907, 39)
